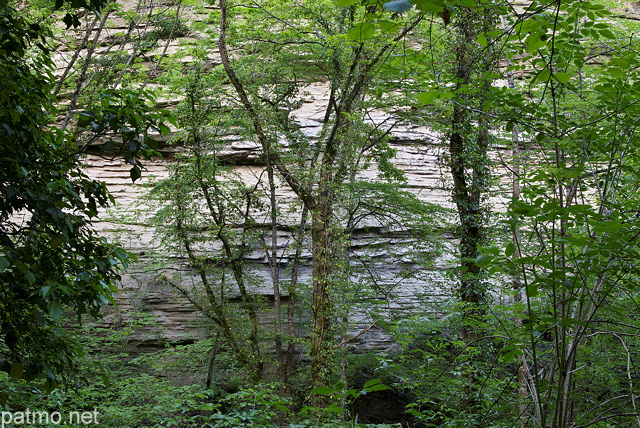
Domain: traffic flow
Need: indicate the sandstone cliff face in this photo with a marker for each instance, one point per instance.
(144, 289)
(143, 292)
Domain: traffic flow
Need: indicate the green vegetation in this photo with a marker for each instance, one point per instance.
(51, 262)
(535, 106)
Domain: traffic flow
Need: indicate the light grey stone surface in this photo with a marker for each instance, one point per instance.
(143, 290)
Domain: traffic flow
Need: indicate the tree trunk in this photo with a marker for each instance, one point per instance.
(470, 171)
(321, 350)
(469, 177)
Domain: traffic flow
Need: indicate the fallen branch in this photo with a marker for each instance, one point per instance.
(360, 333)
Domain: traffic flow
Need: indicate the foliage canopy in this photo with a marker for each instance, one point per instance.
(537, 103)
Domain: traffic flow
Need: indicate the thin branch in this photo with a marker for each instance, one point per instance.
(300, 190)
(360, 333)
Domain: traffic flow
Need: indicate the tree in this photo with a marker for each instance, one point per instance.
(469, 141)
(560, 341)
(575, 116)
(576, 254)
(458, 65)
(573, 255)
(317, 171)
(51, 261)
(206, 215)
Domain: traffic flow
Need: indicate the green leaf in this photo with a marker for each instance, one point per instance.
(532, 289)
(334, 408)
(71, 20)
(55, 310)
(323, 390)
(619, 62)
(362, 31)
(56, 242)
(582, 209)
(429, 6)
(164, 129)
(386, 25)
(607, 34)
(134, 146)
(31, 278)
(371, 382)
(46, 290)
(543, 76)
(427, 97)
(135, 173)
(509, 249)
(535, 42)
(482, 40)
(509, 126)
(562, 77)
(379, 387)
(483, 260)
(616, 72)
(105, 375)
(346, 3)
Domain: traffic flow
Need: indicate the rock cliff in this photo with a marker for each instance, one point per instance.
(143, 290)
